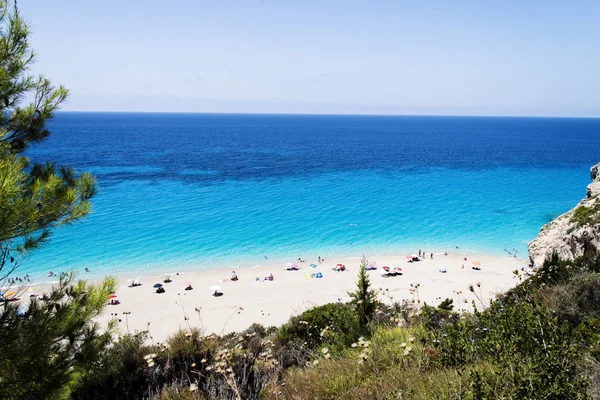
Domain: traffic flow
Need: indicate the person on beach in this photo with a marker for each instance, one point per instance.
(432, 256)
(270, 277)
(234, 276)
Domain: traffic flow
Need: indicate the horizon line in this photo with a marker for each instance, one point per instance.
(328, 114)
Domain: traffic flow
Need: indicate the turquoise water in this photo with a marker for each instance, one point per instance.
(204, 191)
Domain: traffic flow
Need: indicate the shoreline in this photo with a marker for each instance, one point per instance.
(248, 301)
(127, 272)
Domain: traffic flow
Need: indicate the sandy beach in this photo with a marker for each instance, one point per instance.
(291, 292)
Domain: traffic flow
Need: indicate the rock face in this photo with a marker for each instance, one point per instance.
(574, 232)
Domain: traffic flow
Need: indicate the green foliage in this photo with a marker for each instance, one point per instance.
(436, 317)
(584, 215)
(228, 367)
(119, 372)
(334, 324)
(364, 299)
(53, 341)
(533, 353)
(34, 199)
(577, 300)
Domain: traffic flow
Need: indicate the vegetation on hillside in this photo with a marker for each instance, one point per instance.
(540, 340)
(587, 215)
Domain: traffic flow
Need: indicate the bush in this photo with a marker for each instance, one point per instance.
(334, 324)
(531, 352)
(120, 372)
(577, 300)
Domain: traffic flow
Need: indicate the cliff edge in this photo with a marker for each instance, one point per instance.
(575, 232)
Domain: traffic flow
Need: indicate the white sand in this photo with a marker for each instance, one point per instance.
(273, 302)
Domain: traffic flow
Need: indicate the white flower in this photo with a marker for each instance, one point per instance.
(193, 387)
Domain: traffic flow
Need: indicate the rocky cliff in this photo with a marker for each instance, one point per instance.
(574, 232)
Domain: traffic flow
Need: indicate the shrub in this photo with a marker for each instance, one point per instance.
(334, 324)
(532, 353)
(577, 300)
(120, 372)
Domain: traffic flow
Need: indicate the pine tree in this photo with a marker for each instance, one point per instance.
(36, 198)
(47, 344)
(44, 344)
(364, 299)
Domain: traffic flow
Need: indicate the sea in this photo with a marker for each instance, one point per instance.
(204, 191)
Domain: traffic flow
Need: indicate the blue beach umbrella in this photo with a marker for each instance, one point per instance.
(313, 265)
(157, 285)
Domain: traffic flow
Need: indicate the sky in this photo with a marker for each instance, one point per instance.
(458, 57)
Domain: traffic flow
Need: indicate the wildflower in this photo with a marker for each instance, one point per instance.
(203, 360)
(151, 364)
(325, 350)
(229, 369)
(328, 356)
(316, 362)
(406, 352)
(208, 368)
(353, 345)
(193, 387)
(402, 345)
(411, 339)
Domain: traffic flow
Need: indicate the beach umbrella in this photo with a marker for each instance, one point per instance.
(22, 310)
(340, 265)
(288, 264)
(188, 284)
(313, 265)
(409, 257)
(129, 280)
(476, 263)
(214, 288)
(157, 285)
(112, 296)
(9, 294)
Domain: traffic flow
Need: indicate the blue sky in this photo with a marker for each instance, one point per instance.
(328, 56)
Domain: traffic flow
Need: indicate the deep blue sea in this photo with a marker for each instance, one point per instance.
(180, 191)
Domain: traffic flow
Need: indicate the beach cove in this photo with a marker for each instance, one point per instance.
(272, 303)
